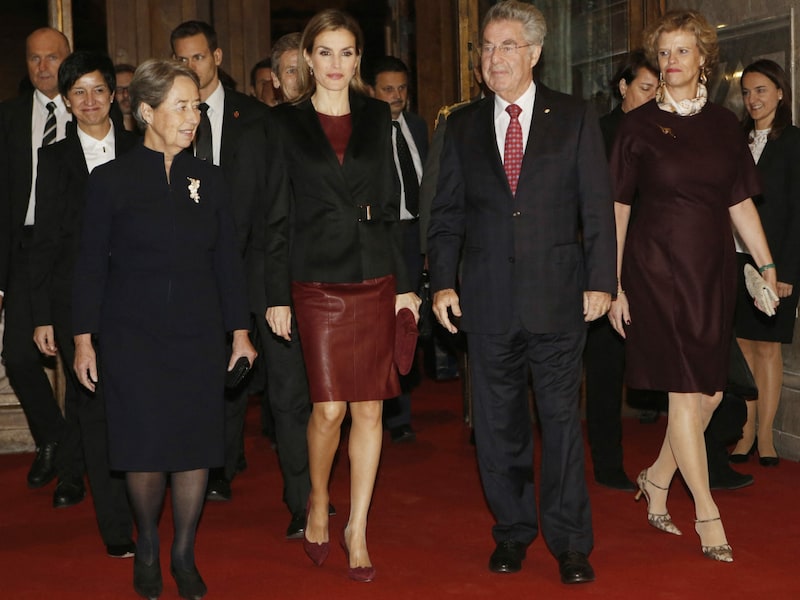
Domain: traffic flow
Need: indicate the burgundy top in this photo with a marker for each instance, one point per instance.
(337, 130)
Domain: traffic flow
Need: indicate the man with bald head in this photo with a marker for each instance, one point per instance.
(36, 118)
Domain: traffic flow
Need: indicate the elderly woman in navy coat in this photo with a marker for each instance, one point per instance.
(159, 283)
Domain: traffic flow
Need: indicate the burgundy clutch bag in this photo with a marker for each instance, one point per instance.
(405, 340)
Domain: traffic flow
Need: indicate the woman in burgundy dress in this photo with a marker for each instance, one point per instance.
(694, 175)
(333, 257)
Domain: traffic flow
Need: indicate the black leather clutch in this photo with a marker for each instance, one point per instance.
(235, 376)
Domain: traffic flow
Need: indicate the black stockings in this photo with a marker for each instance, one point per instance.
(146, 492)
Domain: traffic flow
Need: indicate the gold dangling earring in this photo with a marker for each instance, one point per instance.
(703, 77)
(660, 90)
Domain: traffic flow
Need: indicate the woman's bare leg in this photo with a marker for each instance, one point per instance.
(366, 439)
(324, 429)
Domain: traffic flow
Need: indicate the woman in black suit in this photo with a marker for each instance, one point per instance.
(775, 145)
(333, 255)
(159, 281)
(86, 81)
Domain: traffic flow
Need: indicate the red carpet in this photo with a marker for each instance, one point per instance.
(429, 532)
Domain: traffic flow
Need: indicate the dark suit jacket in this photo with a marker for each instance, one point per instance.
(242, 134)
(60, 200)
(532, 255)
(779, 206)
(312, 230)
(15, 175)
(419, 131)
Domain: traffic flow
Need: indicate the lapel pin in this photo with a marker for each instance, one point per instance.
(546, 111)
(236, 114)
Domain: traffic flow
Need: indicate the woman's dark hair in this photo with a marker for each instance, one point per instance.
(152, 82)
(79, 63)
(783, 113)
(629, 69)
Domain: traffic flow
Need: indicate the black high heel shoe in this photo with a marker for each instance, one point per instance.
(190, 585)
(739, 459)
(147, 580)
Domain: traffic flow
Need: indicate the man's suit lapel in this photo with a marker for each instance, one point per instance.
(230, 118)
(541, 130)
(487, 138)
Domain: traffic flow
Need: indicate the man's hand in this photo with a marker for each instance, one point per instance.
(595, 305)
(44, 338)
(442, 300)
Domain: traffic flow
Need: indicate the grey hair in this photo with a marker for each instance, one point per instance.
(290, 41)
(534, 25)
(152, 82)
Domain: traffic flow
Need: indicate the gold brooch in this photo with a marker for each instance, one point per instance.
(667, 131)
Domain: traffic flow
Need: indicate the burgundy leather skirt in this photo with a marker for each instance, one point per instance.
(347, 333)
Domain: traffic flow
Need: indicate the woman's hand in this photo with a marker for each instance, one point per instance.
(619, 315)
(279, 319)
(242, 347)
(410, 301)
(784, 289)
(85, 364)
(771, 279)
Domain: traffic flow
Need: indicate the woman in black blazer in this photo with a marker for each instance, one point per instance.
(775, 144)
(86, 81)
(333, 256)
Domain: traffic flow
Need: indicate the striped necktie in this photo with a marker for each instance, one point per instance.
(50, 125)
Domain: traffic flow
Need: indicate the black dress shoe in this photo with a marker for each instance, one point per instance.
(574, 567)
(769, 461)
(43, 469)
(147, 580)
(297, 526)
(69, 492)
(218, 490)
(125, 550)
(402, 434)
(190, 585)
(615, 479)
(725, 478)
(507, 557)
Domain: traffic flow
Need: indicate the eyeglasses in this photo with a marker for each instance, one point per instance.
(504, 49)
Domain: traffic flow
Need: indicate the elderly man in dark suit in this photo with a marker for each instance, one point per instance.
(389, 82)
(37, 118)
(231, 124)
(524, 188)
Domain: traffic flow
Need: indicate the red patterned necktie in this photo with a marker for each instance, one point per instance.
(512, 154)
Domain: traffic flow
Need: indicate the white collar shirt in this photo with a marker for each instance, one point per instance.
(502, 118)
